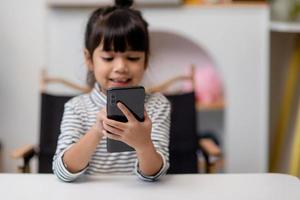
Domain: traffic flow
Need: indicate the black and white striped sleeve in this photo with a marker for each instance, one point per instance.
(160, 136)
(71, 131)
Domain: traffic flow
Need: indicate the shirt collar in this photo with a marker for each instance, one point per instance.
(97, 96)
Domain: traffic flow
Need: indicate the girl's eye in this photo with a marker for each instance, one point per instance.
(107, 58)
(133, 58)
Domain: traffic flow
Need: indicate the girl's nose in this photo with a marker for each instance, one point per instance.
(120, 65)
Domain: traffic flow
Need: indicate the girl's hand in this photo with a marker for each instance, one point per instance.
(98, 127)
(134, 133)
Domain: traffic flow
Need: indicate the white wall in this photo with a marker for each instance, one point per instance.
(22, 50)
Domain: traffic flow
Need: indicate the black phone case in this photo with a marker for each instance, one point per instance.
(133, 98)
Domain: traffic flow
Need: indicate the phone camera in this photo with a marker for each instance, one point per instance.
(113, 99)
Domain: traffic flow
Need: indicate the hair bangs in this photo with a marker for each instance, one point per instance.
(123, 35)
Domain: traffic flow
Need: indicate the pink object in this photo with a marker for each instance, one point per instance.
(208, 86)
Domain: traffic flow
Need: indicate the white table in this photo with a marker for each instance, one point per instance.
(183, 187)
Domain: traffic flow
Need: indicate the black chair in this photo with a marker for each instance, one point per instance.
(184, 142)
(52, 107)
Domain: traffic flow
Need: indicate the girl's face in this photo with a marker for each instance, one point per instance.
(116, 69)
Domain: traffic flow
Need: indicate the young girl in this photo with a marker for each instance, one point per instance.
(116, 54)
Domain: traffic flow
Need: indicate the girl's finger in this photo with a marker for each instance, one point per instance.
(102, 115)
(111, 136)
(111, 129)
(114, 123)
(126, 112)
(145, 114)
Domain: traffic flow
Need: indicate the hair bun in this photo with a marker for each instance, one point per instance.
(124, 3)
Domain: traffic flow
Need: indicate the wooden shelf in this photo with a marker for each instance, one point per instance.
(286, 27)
(154, 3)
(97, 3)
(231, 5)
(218, 106)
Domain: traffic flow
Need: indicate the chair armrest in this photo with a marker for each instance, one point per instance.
(209, 147)
(212, 155)
(23, 152)
(26, 153)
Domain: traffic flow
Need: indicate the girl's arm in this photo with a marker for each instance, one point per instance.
(160, 117)
(74, 146)
(149, 161)
(77, 157)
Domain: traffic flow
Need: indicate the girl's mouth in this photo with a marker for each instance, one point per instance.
(119, 82)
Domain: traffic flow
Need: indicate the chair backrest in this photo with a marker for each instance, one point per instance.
(52, 108)
(183, 131)
(183, 134)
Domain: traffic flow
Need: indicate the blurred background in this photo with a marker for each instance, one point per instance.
(247, 65)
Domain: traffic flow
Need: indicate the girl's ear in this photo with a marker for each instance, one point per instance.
(88, 60)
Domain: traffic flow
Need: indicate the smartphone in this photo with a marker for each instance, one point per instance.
(133, 98)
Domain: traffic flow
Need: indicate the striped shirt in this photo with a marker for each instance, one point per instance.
(80, 115)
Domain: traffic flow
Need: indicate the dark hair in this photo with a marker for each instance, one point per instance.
(119, 28)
